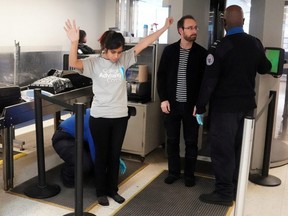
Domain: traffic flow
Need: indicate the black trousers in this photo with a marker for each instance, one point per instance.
(181, 113)
(64, 145)
(108, 135)
(225, 138)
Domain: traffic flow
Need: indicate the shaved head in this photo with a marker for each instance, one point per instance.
(233, 17)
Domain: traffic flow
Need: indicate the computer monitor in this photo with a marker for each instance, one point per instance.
(276, 57)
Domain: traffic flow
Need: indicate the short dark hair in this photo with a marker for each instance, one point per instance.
(82, 35)
(111, 40)
(180, 23)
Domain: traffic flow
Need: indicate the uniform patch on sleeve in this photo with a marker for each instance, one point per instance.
(209, 59)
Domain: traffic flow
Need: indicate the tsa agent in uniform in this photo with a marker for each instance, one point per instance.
(228, 85)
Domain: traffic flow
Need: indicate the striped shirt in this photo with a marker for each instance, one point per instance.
(181, 88)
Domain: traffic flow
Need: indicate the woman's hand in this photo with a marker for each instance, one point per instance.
(168, 22)
(72, 30)
(152, 37)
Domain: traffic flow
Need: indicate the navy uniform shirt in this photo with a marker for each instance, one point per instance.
(229, 79)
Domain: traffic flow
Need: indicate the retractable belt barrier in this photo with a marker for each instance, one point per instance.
(41, 189)
(247, 141)
(24, 112)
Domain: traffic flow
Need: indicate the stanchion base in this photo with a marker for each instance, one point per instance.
(35, 191)
(265, 181)
(84, 214)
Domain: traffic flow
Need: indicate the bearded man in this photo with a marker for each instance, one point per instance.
(179, 77)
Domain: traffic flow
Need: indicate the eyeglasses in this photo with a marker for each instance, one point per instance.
(191, 28)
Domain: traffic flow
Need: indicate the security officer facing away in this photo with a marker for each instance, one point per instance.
(228, 85)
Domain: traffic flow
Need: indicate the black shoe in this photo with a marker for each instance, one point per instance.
(189, 181)
(171, 179)
(215, 198)
(103, 200)
(117, 198)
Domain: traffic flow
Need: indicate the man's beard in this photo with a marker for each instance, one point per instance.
(190, 38)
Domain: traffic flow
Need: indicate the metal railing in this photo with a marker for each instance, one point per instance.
(264, 178)
(42, 189)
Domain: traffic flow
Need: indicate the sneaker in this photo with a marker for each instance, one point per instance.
(215, 198)
(117, 198)
(171, 179)
(103, 200)
(189, 181)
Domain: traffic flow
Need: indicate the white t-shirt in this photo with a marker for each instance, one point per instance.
(109, 84)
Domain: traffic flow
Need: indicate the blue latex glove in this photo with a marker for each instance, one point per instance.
(199, 118)
(122, 167)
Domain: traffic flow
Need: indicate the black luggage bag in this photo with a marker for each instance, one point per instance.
(9, 95)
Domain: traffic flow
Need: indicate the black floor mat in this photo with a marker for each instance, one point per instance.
(158, 198)
(66, 196)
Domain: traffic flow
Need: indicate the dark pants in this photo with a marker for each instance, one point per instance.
(108, 135)
(225, 138)
(64, 145)
(181, 113)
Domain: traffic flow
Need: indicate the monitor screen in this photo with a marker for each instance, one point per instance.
(276, 57)
(273, 56)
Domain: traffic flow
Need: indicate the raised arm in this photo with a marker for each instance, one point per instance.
(72, 32)
(153, 37)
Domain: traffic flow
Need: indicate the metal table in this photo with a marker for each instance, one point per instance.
(23, 112)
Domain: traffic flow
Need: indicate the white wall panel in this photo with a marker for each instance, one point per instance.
(39, 23)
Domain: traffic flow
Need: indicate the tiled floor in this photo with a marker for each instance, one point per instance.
(259, 200)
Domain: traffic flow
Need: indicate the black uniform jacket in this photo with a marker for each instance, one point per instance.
(229, 79)
(168, 70)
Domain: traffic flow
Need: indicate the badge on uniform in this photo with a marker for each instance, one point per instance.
(209, 59)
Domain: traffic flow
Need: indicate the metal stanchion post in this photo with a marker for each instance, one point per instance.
(247, 141)
(79, 110)
(8, 162)
(265, 179)
(40, 190)
(285, 111)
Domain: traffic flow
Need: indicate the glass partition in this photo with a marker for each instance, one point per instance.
(29, 64)
(133, 15)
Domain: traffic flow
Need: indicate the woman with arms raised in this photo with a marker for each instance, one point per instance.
(109, 112)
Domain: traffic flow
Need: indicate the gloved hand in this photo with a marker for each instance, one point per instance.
(122, 167)
(199, 118)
